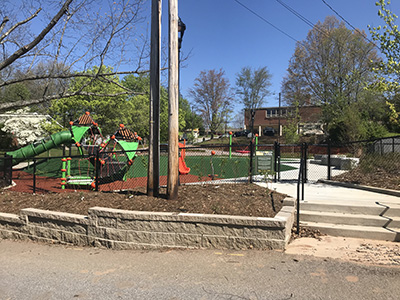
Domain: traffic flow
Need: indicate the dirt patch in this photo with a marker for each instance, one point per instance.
(3, 183)
(380, 178)
(230, 199)
(381, 171)
(306, 232)
(362, 251)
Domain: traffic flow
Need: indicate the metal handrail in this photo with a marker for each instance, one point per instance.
(300, 183)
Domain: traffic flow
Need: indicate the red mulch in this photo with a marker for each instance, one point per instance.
(24, 183)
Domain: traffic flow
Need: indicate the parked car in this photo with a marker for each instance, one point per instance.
(241, 133)
(269, 131)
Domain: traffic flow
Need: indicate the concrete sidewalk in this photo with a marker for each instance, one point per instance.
(321, 192)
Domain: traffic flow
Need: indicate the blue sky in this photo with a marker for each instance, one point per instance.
(223, 34)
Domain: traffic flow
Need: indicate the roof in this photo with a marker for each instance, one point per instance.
(291, 106)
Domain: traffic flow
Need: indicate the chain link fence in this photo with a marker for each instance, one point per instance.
(370, 162)
(115, 171)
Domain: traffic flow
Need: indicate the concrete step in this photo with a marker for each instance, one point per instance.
(349, 219)
(387, 210)
(364, 232)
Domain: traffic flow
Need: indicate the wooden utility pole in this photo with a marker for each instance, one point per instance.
(153, 176)
(173, 106)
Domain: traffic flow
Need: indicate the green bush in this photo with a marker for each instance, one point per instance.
(375, 130)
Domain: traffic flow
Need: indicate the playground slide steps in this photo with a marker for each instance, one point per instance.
(80, 181)
(374, 221)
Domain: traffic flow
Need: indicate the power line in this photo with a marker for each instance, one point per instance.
(348, 23)
(297, 14)
(301, 17)
(304, 19)
(266, 21)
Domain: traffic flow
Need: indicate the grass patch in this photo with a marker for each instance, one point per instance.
(200, 166)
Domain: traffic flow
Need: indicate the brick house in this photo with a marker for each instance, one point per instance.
(310, 117)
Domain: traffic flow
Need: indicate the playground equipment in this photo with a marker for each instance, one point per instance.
(117, 155)
(212, 175)
(76, 135)
(183, 169)
(243, 151)
(111, 159)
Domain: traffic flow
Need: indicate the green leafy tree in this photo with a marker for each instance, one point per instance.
(290, 130)
(139, 102)
(387, 36)
(359, 121)
(394, 118)
(332, 66)
(192, 120)
(108, 110)
(15, 92)
(139, 115)
(387, 71)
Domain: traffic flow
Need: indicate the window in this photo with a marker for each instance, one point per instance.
(274, 112)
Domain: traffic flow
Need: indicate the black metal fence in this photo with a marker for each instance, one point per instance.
(5, 170)
(115, 171)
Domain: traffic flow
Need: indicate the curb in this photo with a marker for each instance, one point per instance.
(361, 187)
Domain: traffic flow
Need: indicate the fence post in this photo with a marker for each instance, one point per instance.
(300, 177)
(7, 168)
(298, 208)
(97, 170)
(303, 179)
(10, 166)
(251, 161)
(275, 160)
(34, 175)
(279, 161)
(303, 165)
(329, 159)
(393, 145)
(305, 162)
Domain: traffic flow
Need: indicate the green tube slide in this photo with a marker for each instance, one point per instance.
(55, 140)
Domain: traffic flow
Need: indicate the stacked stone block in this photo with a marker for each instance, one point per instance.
(122, 229)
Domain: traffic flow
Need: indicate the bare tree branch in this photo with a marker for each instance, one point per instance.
(3, 23)
(24, 103)
(17, 54)
(17, 25)
(73, 75)
(82, 36)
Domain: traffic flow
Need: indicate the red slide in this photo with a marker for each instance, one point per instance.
(183, 169)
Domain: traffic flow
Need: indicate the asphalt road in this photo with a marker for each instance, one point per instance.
(38, 271)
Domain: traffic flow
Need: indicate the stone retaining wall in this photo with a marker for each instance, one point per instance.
(122, 229)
